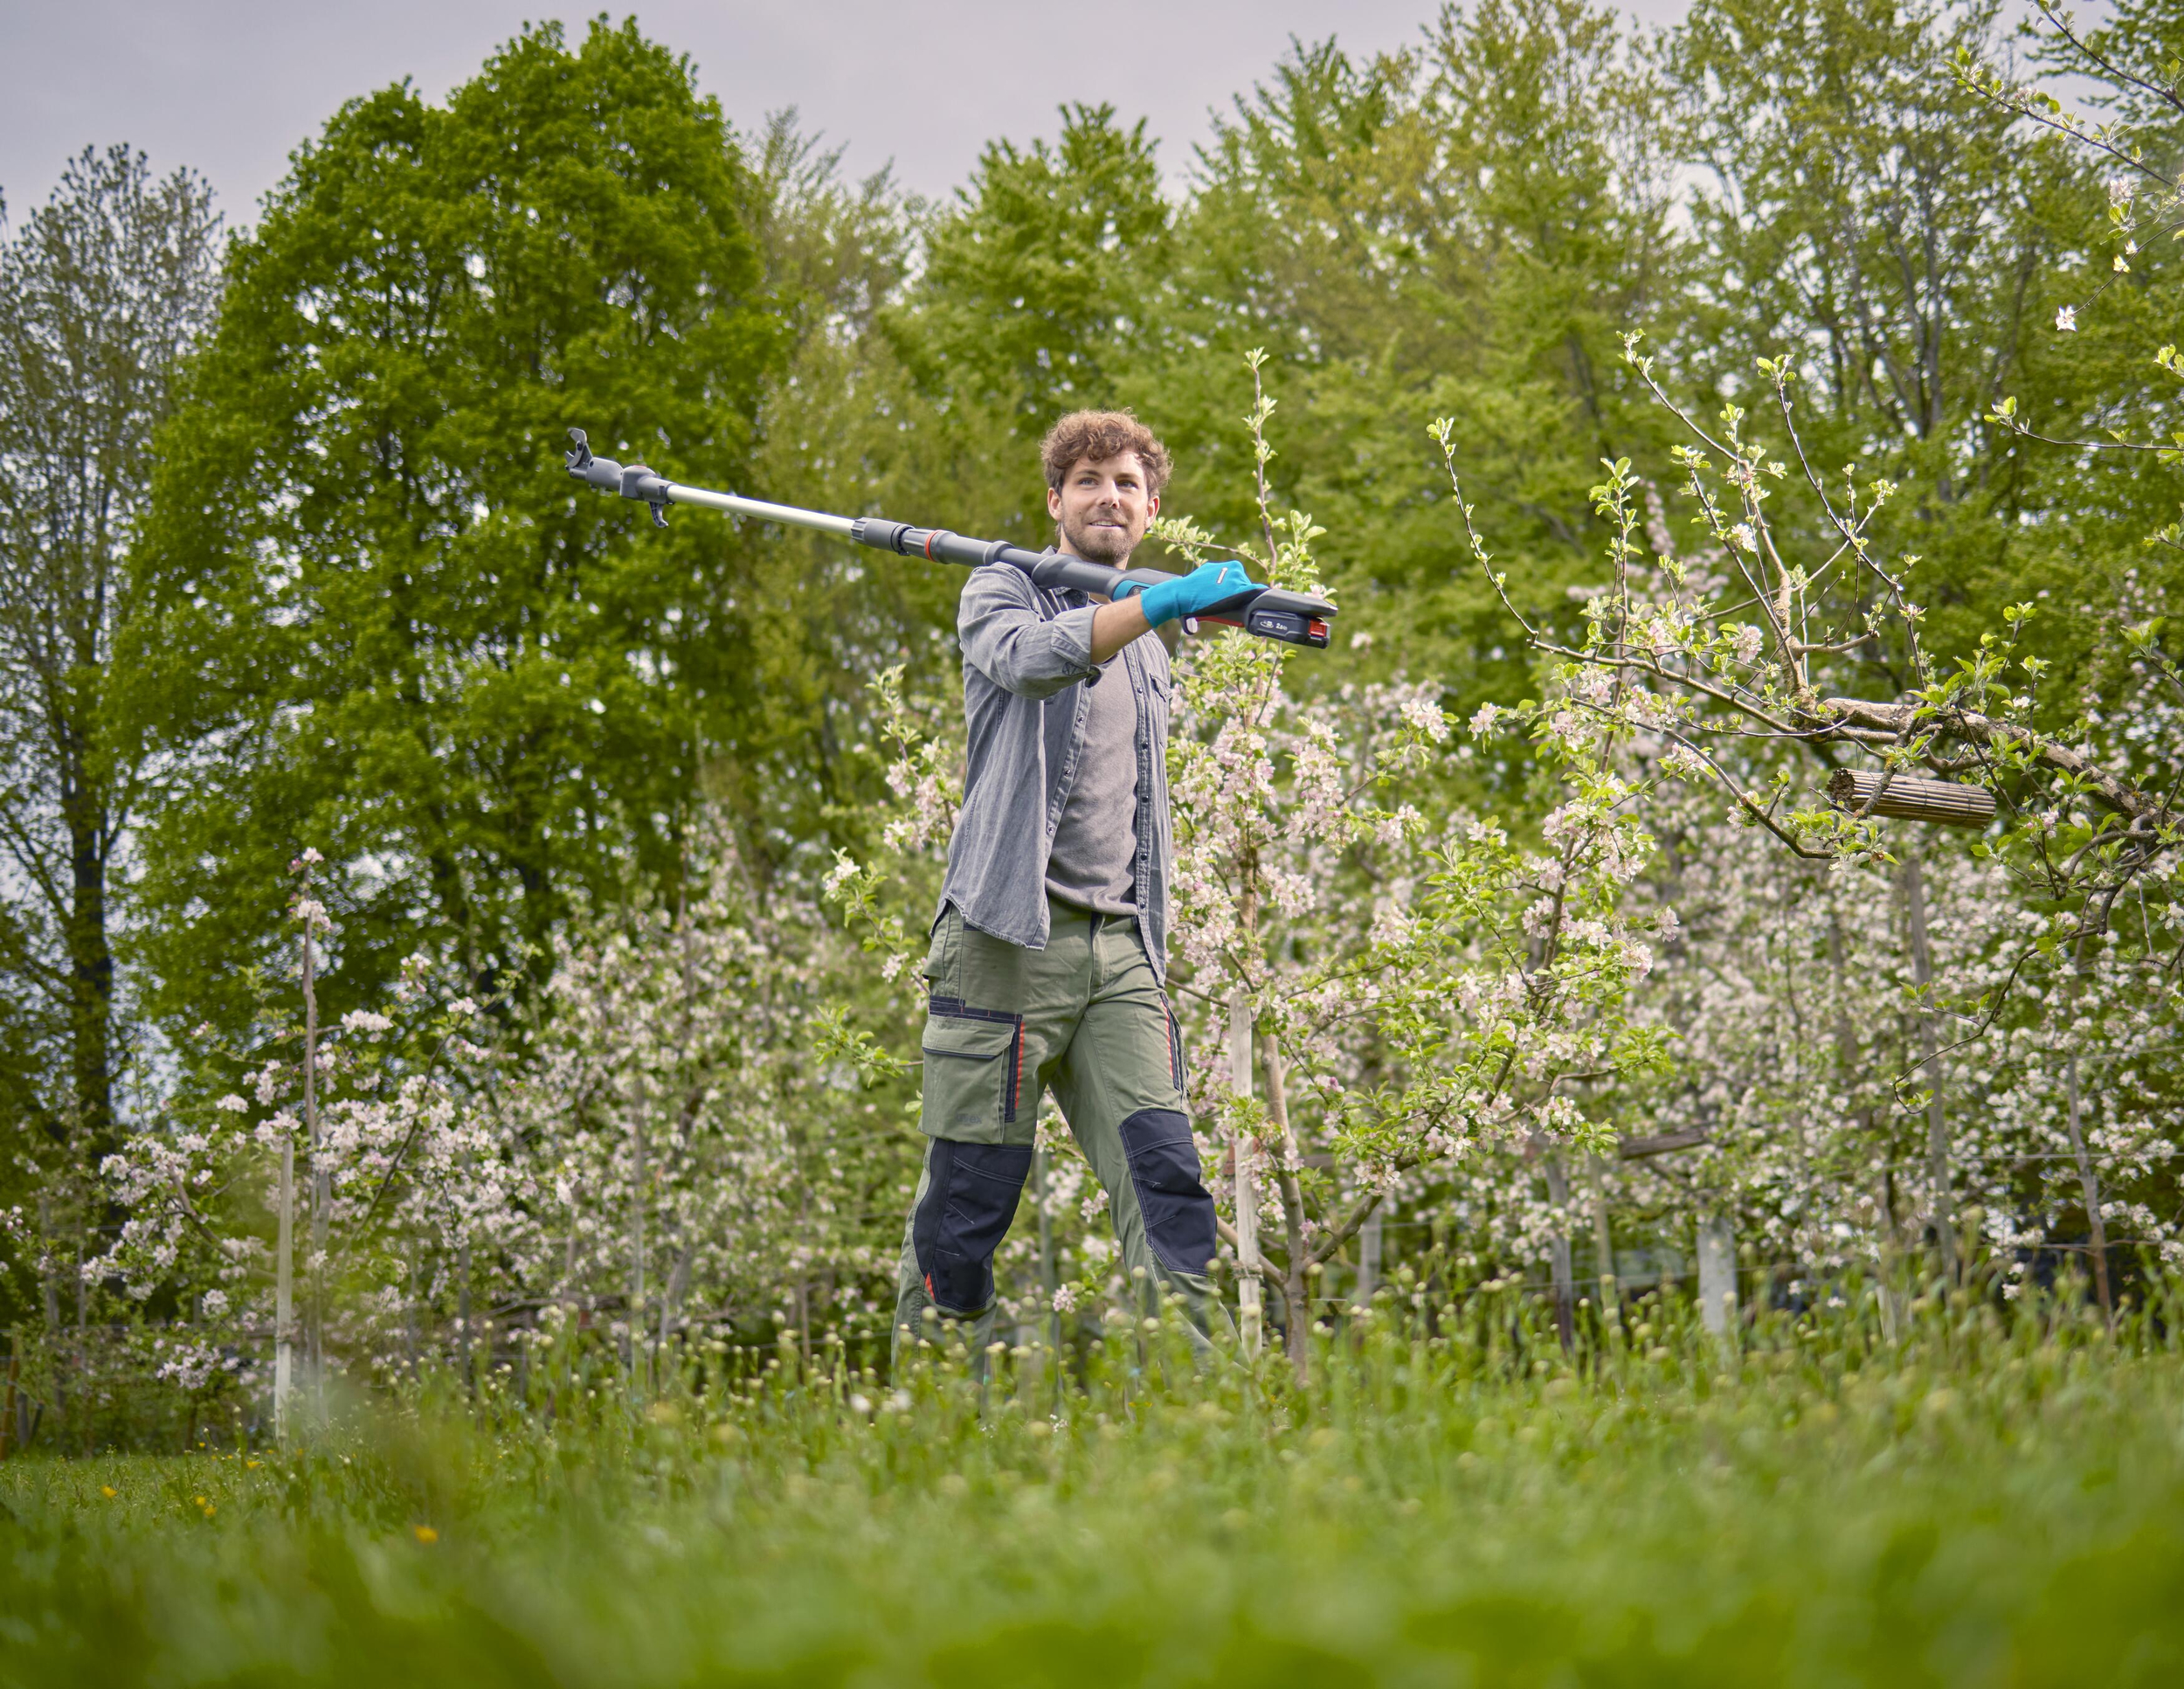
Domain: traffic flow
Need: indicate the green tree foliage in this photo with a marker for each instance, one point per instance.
(1461, 229)
(1034, 295)
(1037, 294)
(99, 291)
(2105, 382)
(376, 618)
(1908, 245)
(381, 620)
(842, 426)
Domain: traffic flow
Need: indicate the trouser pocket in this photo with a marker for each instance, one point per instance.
(971, 1196)
(974, 1072)
(1163, 1170)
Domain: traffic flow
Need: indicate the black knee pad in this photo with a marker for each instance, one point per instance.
(970, 1194)
(1164, 1169)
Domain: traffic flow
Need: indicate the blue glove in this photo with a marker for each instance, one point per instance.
(1190, 595)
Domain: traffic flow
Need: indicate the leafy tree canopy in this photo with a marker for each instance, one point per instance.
(386, 622)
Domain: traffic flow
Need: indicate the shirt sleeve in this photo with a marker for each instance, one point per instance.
(1006, 639)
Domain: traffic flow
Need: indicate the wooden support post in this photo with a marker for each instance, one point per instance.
(1716, 1273)
(2090, 1188)
(49, 1285)
(1370, 1240)
(321, 1176)
(1048, 1280)
(462, 1315)
(285, 1291)
(1603, 1241)
(1249, 1317)
(634, 1355)
(1566, 1287)
(1938, 1181)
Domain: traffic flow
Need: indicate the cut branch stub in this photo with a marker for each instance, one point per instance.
(1637, 1149)
(1907, 797)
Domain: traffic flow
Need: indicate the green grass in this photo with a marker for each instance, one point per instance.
(1990, 1501)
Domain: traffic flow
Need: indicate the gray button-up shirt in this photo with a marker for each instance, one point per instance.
(1026, 657)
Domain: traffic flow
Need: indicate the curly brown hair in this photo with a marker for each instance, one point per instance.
(1099, 435)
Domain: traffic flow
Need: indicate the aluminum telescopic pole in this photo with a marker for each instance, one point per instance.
(1270, 613)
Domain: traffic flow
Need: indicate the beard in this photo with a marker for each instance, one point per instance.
(1101, 543)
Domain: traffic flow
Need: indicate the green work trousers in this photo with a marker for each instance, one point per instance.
(1088, 1019)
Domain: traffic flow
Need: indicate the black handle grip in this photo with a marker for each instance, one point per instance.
(1269, 611)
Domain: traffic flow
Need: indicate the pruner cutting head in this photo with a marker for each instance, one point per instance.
(632, 481)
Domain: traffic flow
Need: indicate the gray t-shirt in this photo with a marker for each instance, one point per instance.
(1094, 862)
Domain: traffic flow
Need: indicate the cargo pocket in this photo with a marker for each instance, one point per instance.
(974, 1071)
(944, 953)
(970, 1194)
(1163, 1170)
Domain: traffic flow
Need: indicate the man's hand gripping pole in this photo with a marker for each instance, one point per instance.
(1269, 612)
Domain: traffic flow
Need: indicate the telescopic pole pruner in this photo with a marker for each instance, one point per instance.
(1269, 612)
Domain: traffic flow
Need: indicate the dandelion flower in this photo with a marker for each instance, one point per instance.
(108, 1491)
(425, 1533)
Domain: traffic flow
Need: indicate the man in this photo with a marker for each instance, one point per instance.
(1049, 952)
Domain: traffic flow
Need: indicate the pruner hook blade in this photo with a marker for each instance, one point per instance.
(632, 481)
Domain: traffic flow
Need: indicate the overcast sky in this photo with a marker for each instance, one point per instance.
(231, 85)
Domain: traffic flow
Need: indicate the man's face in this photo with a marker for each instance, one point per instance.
(1102, 508)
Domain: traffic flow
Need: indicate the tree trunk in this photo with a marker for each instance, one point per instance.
(105, 285)
(90, 975)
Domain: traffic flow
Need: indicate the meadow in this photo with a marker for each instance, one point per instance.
(457, 935)
(1994, 1497)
